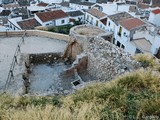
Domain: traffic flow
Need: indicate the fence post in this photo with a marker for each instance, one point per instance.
(15, 57)
(12, 76)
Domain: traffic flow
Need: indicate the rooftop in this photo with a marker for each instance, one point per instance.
(142, 44)
(95, 12)
(156, 11)
(28, 24)
(88, 30)
(116, 18)
(5, 13)
(42, 4)
(86, 3)
(101, 1)
(82, 3)
(143, 6)
(51, 15)
(75, 13)
(132, 23)
(65, 4)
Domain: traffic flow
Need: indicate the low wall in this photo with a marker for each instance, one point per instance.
(44, 58)
(80, 64)
(37, 33)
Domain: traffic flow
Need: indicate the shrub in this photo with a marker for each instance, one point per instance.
(146, 60)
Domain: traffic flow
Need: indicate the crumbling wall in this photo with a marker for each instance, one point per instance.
(72, 50)
(44, 58)
(80, 65)
(106, 61)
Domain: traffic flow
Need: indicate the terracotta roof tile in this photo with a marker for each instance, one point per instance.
(96, 13)
(131, 23)
(51, 15)
(157, 11)
(5, 13)
(28, 24)
(42, 4)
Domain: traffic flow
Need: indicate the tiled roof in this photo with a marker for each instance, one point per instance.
(42, 4)
(28, 24)
(157, 11)
(65, 4)
(51, 15)
(75, 1)
(5, 13)
(96, 13)
(131, 23)
(75, 13)
(116, 18)
(102, 1)
(86, 3)
(24, 2)
(142, 6)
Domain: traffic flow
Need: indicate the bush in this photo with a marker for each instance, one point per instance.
(146, 60)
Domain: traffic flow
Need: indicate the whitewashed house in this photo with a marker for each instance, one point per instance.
(76, 16)
(12, 23)
(124, 26)
(126, 30)
(154, 17)
(96, 17)
(52, 18)
(113, 22)
(80, 5)
(149, 39)
(4, 16)
(19, 24)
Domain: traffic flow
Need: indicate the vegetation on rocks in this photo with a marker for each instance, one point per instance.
(132, 96)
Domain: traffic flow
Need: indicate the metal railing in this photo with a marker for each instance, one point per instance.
(14, 62)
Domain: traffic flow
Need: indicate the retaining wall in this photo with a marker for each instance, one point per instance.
(44, 58)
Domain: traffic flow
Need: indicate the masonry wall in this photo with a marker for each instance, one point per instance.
(106, 61)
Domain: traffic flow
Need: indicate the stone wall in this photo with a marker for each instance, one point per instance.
(106, 61)
(44, 58)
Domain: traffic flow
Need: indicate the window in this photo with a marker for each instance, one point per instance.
(118, 44)
(47, 24)
(96, 22)
(138, 51)
(109, 24)
(114, 41)
(120, 31)
(62, 21)
(123, 46)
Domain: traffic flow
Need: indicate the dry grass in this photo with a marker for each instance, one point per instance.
(146, 60)
(132, 96)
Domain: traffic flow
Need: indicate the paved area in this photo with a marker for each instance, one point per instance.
(32, 44)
